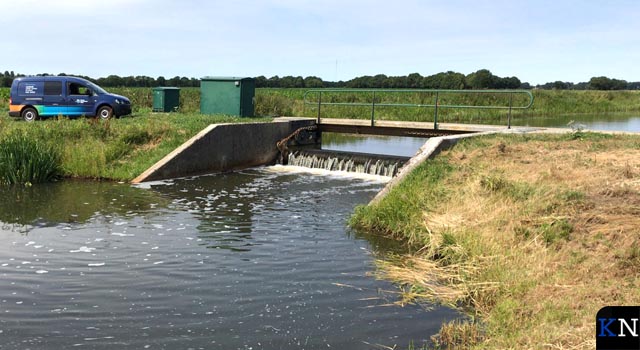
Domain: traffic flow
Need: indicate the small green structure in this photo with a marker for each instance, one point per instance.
(227, 95)
(166, 99)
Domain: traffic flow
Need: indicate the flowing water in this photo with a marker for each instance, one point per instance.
(258, 259)
(347, 162)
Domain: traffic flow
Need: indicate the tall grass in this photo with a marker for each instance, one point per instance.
(514, 230)
(118, 149)
(26, 160)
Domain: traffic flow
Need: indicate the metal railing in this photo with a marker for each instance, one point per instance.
(437, 94)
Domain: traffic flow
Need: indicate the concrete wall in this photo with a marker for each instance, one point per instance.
(225, 147)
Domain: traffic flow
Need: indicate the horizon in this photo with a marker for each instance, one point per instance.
(568, 41)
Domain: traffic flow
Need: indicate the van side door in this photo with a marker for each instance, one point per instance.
(53, 101)
(80, 100)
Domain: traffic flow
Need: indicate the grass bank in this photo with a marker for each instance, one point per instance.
(546, 103)
(119, 149)
(529, 234)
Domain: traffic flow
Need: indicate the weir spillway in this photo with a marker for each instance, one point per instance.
(373, 164)
(228, 147)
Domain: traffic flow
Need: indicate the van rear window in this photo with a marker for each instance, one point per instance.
(32, 88)
(53, 88)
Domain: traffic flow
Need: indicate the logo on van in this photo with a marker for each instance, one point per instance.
(30, 89)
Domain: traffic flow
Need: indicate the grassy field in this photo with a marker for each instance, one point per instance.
(119, 149)
(529, 234)
(289, 102)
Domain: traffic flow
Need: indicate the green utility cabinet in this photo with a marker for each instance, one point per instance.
(166, 99)
(227, 95)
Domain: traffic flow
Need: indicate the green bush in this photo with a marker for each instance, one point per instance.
(24, 160)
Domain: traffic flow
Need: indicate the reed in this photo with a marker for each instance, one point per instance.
(25, 160)
(118, 149)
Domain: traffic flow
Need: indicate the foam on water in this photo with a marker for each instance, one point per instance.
(294, 169)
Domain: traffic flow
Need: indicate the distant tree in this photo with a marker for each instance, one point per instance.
(482, 79)
(414, 81)
(261, 82)
(449, 80)
(161, 81)
(313, 82)
(175, 81)
(561, 85)
(274, 82)
(380, 81)
(556, 85)
(604, 83)
(298, 82)
(634, 85)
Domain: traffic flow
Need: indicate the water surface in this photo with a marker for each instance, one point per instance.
(597, 122)
(387, 145)
(259, 259)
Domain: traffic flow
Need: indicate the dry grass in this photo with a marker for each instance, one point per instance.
(535, 236)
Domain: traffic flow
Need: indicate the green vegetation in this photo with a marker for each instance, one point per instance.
(123, 148)
(480, 79)
(25, 160)
(529, 234)
(119, 149)
(289, 102)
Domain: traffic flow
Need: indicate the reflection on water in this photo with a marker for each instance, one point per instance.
(600, 122)
(258, 259)
(388, 145)
(70, 201)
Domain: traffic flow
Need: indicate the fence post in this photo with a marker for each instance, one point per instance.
(319, 104)
(373, 108)
(435, 117)
(510, 103)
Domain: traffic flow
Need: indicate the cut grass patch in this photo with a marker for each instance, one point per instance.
(529, 234)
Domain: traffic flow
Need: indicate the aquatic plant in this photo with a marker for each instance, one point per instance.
(25, 160)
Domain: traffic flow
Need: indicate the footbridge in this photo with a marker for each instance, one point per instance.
(228, 147)
(372, 111)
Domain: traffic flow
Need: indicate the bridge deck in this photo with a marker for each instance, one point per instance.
(399, 128)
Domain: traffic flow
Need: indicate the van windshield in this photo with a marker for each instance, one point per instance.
(96, 89)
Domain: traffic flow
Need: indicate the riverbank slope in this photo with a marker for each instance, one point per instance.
(117, 149)
(529, 234)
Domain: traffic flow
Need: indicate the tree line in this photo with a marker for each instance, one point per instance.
(481, 79)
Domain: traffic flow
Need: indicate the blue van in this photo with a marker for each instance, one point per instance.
(35, 97)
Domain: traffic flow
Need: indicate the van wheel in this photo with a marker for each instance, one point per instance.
(105, 112)
(29, 114)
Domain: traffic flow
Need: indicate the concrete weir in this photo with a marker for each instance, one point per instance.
(228, 147)
(225, 147)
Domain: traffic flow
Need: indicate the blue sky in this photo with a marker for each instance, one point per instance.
(537, 41)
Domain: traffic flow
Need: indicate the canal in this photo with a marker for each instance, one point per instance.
(590, 122)
(257, 259)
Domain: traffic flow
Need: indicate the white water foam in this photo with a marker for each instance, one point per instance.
(322, 172)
